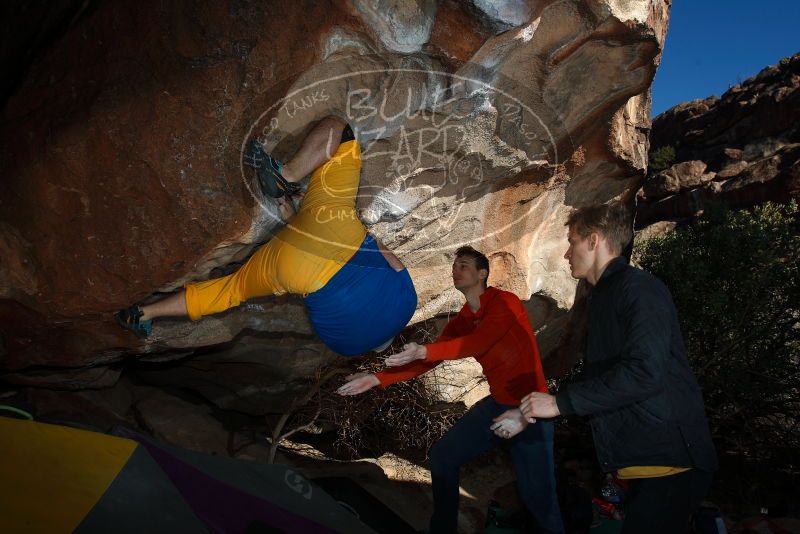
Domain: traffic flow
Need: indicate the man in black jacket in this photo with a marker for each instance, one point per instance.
(647, 414)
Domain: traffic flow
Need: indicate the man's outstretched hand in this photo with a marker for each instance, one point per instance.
(539, 405)
(358, 383)
(509, 423)
(411, 352)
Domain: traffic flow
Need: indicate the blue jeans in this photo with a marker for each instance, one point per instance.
(531, 451)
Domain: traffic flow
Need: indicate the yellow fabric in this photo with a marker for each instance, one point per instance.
(302, 257)
(51, 476)
(649, 471)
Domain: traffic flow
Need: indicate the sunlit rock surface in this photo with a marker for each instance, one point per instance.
(481, 123)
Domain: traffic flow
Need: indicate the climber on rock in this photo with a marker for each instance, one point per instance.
(358, 293)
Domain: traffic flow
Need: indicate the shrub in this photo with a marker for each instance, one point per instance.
(735, 279)
(660, 159)
(406, 418)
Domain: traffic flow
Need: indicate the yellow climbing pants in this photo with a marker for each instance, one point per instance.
(304, 255)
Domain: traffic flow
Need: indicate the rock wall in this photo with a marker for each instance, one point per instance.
(481, 123)
(742, 148)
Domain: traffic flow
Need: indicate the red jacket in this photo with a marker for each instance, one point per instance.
(499, 336)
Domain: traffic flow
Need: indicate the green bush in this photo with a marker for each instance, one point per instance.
(735, 279)
(660, 159)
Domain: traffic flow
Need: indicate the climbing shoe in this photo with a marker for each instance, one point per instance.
(131, 319)
(268, 172)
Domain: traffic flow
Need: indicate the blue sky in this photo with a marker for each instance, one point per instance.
(713, 44)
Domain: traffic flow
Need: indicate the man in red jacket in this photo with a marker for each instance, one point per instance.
(493, 327)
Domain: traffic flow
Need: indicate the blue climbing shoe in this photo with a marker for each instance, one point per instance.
(130, 319)
(268, 171)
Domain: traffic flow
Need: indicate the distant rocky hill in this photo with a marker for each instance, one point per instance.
(742, 148)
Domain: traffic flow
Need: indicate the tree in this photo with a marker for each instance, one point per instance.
(735, 279)
(660, 159)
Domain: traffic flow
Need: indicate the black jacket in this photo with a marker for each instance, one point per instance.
(645, 404)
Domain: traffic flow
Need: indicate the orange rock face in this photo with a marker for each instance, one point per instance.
(121, 157)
